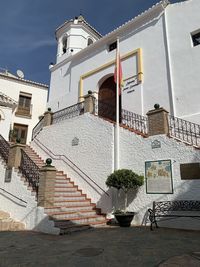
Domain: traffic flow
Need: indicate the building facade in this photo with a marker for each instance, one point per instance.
(22, 102)
(160, 60)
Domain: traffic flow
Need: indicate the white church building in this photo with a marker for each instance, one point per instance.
(160, 61)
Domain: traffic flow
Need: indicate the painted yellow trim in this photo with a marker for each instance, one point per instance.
(139, 55)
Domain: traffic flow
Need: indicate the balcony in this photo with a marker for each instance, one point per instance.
(24, 111)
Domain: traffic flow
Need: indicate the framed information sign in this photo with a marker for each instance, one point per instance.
(158, 177)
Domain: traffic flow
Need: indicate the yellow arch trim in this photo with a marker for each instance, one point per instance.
(126, 56)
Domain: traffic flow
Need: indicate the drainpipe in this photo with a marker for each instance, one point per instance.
(169, 64)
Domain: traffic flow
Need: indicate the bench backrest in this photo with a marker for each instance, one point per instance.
(163, 207)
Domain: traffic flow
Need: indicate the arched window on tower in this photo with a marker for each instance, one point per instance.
(90, 41)
(64, 43)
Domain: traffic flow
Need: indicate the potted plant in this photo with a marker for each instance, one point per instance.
(124, 180)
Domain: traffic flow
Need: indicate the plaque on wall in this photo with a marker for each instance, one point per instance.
(155, 144)
(129, 84)
(190, 171)
(158, 176)
(75, 141)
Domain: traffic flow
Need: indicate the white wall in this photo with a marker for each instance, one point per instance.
(154, 89)
(179, 73)
(183, 19)
(12, 88)
(28, 213)
(94, 155)
(5, 122)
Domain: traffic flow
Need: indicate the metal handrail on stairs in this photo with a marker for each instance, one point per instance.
(30, 171)
(67, 161)
(13, 195)
(4, 148)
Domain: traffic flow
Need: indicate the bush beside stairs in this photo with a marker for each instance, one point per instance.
(71, 209)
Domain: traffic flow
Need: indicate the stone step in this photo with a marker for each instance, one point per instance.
(68, 184)
(74, 214)
(67, 197)
(11, 225)
(75, 203)
(75, 228)
(8, 224)
(69, 209)
(68, 193)
(4, 215)
(66, 190)
(69, 189)
(87, 220)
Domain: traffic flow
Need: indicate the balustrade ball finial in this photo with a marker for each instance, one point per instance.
(156, 106)
(48, 162)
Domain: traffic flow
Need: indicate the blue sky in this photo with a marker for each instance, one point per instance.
(27, 28)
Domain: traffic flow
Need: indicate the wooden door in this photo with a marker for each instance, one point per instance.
(20, 131)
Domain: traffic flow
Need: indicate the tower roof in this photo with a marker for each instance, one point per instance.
(80, 20)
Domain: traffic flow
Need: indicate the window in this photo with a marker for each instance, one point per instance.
(90, 41)
(196, 38)
(64, 42)
(112, 46)
(24, 105)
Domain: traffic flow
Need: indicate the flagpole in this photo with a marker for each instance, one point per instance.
(117, 113)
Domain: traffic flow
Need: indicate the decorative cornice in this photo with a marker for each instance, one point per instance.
(7, 101)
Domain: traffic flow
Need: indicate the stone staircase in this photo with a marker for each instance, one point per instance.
(8, 224)
(71, 209)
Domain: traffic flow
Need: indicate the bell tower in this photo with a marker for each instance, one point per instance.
(73, 36)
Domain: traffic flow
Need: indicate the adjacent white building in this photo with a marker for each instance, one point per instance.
(159, 50)
(22, 102)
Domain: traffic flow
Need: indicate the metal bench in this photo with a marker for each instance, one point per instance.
(167, 210)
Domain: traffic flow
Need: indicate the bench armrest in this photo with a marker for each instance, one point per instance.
(151, 215)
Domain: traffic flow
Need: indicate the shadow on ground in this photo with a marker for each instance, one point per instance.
(110, 246)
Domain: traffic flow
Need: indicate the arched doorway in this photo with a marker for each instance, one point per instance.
(107, 99)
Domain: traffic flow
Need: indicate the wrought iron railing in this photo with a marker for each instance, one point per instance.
(10, 194)
(29, 170)
(69, 112)
(4, 148)
(185, 131)
(134, 121)
(38, 127)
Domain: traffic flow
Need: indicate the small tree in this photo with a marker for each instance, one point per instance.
(125, 180)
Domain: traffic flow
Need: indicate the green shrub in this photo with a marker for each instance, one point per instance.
(125, 180)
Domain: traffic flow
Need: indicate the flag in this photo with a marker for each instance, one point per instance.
(119, 68)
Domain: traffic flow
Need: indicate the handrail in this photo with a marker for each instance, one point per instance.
(38, 127)
(134, 121)
(128, 118)
(69, 112)
(30, 170)
(4, 148)
(186, 131)
(13, 195)
(50, 153)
